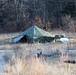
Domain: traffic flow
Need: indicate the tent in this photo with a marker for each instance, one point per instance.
(33, 34)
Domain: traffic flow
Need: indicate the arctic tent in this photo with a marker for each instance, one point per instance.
(34, 34)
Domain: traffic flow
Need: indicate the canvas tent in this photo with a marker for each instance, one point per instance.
(33, 34)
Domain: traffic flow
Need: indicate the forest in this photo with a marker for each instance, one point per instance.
(18, 15)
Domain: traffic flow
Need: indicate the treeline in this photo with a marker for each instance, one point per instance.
(18, 15)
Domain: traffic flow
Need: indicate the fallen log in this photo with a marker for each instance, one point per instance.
(70, 61)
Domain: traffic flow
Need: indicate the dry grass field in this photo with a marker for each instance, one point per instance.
(25, 65)
(22, 65)
(6, 42)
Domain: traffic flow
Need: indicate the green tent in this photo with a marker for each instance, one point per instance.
(34, 34)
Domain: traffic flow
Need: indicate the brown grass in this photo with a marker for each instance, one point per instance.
(6, 43)
(21, 65)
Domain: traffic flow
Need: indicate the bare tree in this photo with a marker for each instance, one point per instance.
(69, 23)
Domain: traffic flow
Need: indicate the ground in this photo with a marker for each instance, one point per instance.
(6, 44)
